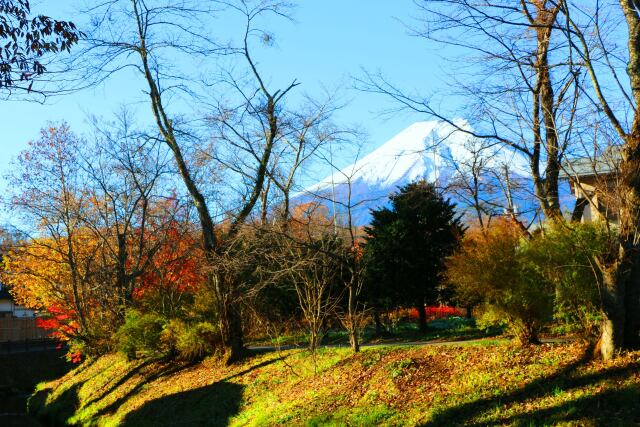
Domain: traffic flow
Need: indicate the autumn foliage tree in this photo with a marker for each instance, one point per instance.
(40, 277)
(103, 224)
(495, 267)
(175, 273)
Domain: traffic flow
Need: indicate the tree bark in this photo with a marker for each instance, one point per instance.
(354, 340)
(469, 312)
(378, 321)
(630, 173)
(234, 341)
(612, 336)
(544, 100)
(528, 335)
(632, 307)
(422, 317)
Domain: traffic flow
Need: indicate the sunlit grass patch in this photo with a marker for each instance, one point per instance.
(493, 383)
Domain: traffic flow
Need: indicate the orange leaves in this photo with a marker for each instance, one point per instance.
(40, 278)
(310, 220)
(175, 267)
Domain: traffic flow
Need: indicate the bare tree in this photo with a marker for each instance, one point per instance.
(151, 38)
(311, 131)
(587, 29)
(344, 205)
(306, 252)
(484, 181)
(130, 211)
(520, 89)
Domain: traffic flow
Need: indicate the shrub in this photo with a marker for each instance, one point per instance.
(140, 334)
(436, 312)
(565, 255)
(191, 341)
(496, 267)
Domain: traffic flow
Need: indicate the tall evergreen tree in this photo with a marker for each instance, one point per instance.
(406, 245)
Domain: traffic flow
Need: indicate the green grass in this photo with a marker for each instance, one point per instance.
(477, 384)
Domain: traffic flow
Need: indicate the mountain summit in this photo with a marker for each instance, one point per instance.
(430, 150)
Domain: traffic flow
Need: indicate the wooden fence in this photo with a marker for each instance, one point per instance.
(21, 329)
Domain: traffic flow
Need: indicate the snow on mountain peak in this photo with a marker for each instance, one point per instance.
(430, 150)
(410, 155)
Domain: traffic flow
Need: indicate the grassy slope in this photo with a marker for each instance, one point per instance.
(471, 385)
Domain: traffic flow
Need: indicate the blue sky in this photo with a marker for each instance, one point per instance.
(328, 43)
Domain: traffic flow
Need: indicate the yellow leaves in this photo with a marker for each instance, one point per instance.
(39, 272)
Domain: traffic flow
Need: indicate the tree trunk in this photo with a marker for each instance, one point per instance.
(627, 286)
(314, 336)
(422, 317)
(354, 341)
(469, 312)
(353, 323)
(230, 317)
(612, 335)
(632, 307)
(544, 113)
(231, 328)
(234, 339)
(528, 334)
(578, 210)
(620, 328)
(378, 321)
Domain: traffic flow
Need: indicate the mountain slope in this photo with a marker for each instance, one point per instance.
(430, 150)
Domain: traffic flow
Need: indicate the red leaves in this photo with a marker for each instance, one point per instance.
(437, 312)
(75, 357)
(175, 267)
(60, 322)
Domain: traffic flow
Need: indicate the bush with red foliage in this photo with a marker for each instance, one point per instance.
(61, 326)
(437, 312)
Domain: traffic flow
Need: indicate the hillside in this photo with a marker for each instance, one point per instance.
(430, 385)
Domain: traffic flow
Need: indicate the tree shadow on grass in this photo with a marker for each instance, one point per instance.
(217, 390)
(608, 408)
(621, 403)
(120, 381)
(212, 405)
(57, 412)
(166, 370)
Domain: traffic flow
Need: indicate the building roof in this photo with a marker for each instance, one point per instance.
(605, 164)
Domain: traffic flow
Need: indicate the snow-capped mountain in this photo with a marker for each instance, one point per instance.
(430, 150)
